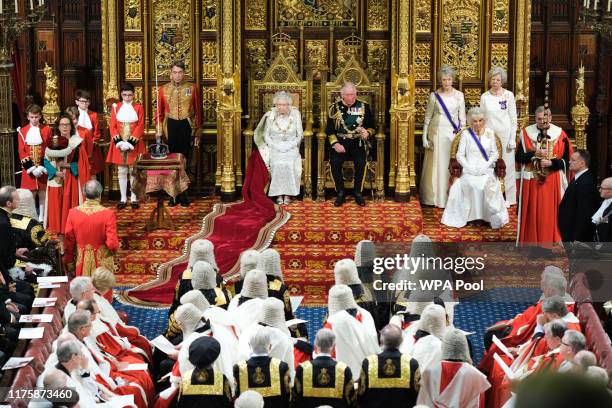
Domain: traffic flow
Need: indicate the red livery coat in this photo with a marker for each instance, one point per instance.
(115, 156)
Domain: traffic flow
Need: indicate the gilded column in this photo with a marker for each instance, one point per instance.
(522, 55)
(7, 133)
(109, 50)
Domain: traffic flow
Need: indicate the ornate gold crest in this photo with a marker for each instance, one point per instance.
(258, 376)
(202, 376)
(389, 368)
(323, 378)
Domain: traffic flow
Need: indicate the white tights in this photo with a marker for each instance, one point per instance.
(42, 197)
(123, 181)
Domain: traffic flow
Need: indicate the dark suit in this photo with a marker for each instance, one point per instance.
(578, 205)
(323, 381)
(268, 376)
(604, 229)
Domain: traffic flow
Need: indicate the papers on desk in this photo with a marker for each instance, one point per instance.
(509, 373)
(44, 302)
(135, 367)
(295, 302)
(52, 279)
(118, 402)
(36, 318)
(16, 362)
(294, 322)
(502, 347)
(45, 285)
(163, 344)
(31, 332)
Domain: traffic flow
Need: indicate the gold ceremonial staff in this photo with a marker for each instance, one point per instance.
(543, 142)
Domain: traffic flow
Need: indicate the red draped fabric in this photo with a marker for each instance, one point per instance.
(233, 232)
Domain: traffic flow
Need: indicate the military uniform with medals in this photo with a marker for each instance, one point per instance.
(323, 381)
(343, 126)
(390, 379)
(268, 376)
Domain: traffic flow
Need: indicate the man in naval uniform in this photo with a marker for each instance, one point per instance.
(349, 126)
(178, 116)
(323, 381)
(389, 379)
(264, 374)
(204, 385)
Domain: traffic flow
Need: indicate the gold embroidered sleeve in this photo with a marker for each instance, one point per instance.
(362, 380)
(227, 389)
(38, 235)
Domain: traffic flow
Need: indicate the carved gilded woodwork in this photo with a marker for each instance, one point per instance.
(472, 97)
(580, 112)
(422, 61)
(133, 60)
(209, 59)
(378, 15)
(209, 105)
(316, 56)
(499, 55)
(420, 103)
(131, 15)
(343, 54)
(501, 16)
(423, 16)
(210, 11)
(255, 14)
(378, 57)
(138, 94)
(154, 90)
(461, 36)
(317, 13)
(172, 31)
(255, 51)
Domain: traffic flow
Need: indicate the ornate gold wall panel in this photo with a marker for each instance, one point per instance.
(209, 105)
(255, 14)
(499, 55)
(132, 15)
(209, 60)
(133, 60)
(461, 35)
(316, 13)
(420, 105)
(255, 52)
(342, 55)
(210, 10)
(172, 31)
(472, 97)
(317, 55)
(378, 57)
(423, 16)
(138, 94)
(422, 61)
(501, 16)
(378, 15)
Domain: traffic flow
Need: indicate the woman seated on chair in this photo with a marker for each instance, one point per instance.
(278, 137)
(477, 194)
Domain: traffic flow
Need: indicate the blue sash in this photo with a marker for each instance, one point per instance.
(456, 128)
(482, 150)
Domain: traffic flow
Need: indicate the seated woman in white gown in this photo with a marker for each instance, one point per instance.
(477, 194)
(278, 137)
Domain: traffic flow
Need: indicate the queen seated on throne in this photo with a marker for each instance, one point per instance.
(278, 137)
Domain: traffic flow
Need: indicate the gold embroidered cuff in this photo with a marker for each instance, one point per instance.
(332, 139)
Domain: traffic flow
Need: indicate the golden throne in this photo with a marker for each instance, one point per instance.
(282, 76)
(368, 91)
(455, 168)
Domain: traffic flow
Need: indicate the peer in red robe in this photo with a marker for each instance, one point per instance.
(32, 141)
(88, 119)
(126, 131)
(539, 195)
(91, 230)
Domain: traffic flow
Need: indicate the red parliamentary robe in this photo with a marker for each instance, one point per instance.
(539, 201)
(32, 155)
(77, 175)
(91, 229)
(97, 160)
(115, 156)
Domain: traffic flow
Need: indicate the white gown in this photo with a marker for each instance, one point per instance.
(282, 135)
(477, 194)
(434, 177)
(501, 117)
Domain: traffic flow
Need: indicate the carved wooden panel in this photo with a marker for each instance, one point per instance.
(73, 50)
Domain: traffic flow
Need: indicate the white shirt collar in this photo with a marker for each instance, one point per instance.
(84, 119)
(260, 355)
(127, 113)
(597, 217)
(580, 173)
(33, 137)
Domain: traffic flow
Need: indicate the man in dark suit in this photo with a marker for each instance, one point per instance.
(579, 201)
(601, 218)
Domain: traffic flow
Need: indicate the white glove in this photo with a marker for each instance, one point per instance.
(123, 146)
(129, 146)
(36, 172)
(426, 143)
(31, 170)
(43, 170)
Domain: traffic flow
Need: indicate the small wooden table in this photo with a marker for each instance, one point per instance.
(160, 177)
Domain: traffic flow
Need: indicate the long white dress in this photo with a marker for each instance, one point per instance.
(440, 133)
(501, 117)
(282, 135)
(477, 194)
